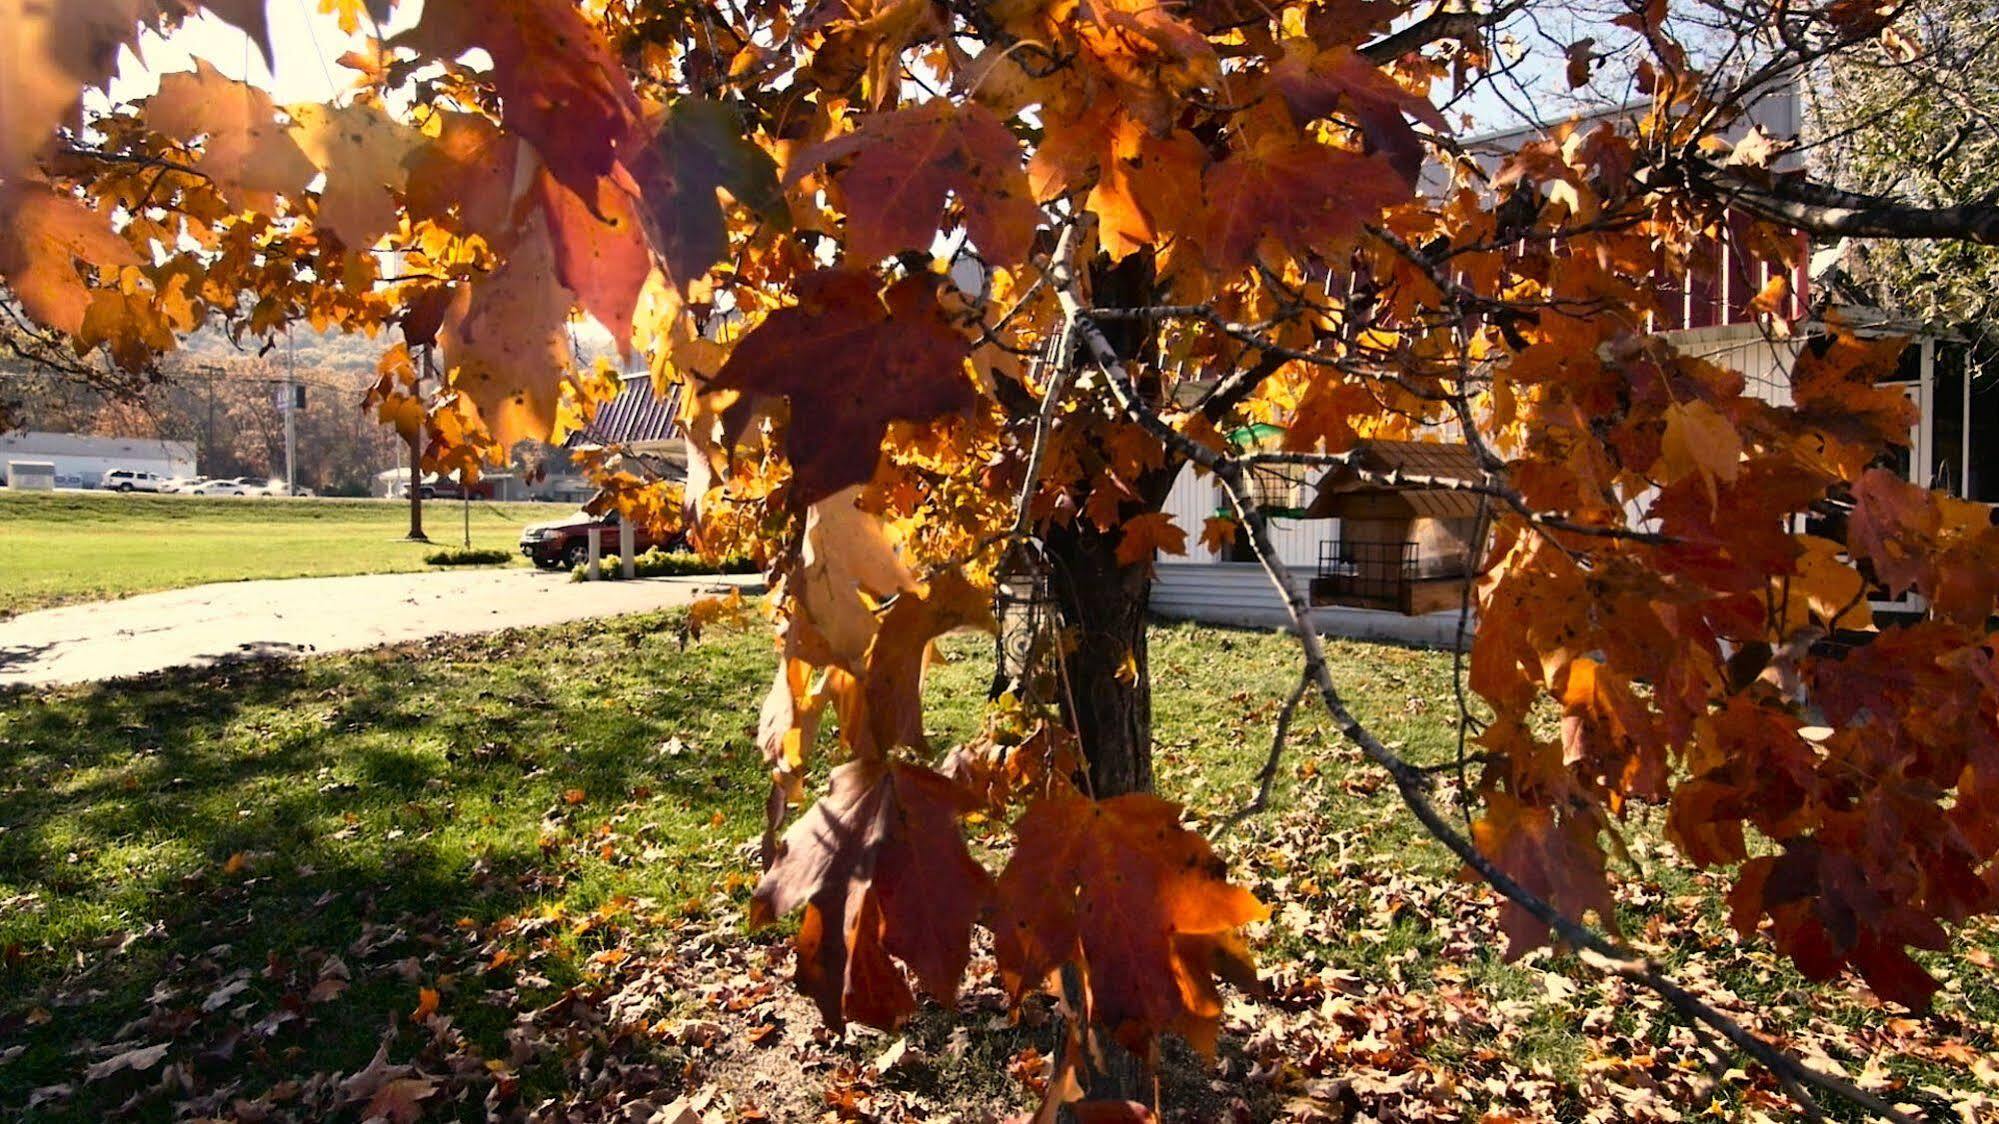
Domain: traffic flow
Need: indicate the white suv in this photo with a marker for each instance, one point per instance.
(129, 480)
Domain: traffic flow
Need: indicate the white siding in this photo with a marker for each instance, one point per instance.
(1195, 498)
(1240, 594)
(1203, 587)
(82, 460)
(1226, 592)
(1764, 362)
(1190, 503)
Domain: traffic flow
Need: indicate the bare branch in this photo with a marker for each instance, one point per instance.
(1413, 783)
(1830, 212)
(1446, 22)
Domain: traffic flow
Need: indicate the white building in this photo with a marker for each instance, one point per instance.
(1954, 445)
(82, 460)
(503, 486)
(1232, 588)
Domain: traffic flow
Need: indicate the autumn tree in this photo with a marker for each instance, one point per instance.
(958, 288)
(1914, 118)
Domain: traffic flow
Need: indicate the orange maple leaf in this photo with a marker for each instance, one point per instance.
(1137, 903)
(1146, 535)
(44, 236)
(1219, 532)
(894, 678)
(247, 154)
(468, 164)
(505, 340)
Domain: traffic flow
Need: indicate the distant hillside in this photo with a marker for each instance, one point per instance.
(335, 351)
(311, 351)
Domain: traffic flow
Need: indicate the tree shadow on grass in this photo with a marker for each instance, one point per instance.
(163, 834)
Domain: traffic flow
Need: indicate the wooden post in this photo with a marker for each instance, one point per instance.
(594, 572)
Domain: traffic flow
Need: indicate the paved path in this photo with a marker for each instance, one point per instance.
(208, 623)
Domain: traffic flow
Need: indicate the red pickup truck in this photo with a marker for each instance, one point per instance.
(565, 543)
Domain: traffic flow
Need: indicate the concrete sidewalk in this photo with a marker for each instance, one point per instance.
(234, 620)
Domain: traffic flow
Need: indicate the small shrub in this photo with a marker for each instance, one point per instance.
(458, 556)
(668, 564)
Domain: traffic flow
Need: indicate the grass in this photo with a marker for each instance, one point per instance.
(58, 548)
(534, 794)
(291, 805)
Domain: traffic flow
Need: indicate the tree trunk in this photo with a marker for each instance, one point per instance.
(1108, 696)
(416, 489)
(1108, 701)
(1107, 674)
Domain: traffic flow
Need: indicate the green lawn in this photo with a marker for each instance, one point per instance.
(520, 863)
(63, 547)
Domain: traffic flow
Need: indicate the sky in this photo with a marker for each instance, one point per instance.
(307, 43)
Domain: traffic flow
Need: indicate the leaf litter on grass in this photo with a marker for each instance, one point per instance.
(1382, 997)
(677, 1013)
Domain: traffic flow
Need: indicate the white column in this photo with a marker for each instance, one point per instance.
(626, 565)
(593, 571)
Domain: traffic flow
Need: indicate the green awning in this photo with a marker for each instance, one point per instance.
(1252, 435)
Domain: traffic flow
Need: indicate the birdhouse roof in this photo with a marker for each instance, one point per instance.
(1400, 479)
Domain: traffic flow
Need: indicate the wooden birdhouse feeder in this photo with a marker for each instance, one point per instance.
(1407, 542)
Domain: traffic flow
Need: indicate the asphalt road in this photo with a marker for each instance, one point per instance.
(236, 620)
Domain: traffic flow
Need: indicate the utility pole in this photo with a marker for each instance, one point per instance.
(213, 373)
(291, 411)
(416, 458)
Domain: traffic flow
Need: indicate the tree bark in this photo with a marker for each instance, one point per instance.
(424, 359)
(1107, 681)
(1108, 695)
(1108, 701)
(416, 489)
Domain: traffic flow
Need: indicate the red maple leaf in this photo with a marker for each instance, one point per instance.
(850, 360)
(881, 868)
(600, 249)
(561, 86)
(907, 162)
(1314, 85)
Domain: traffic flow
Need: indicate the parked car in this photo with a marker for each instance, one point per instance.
(227, 486)
(565, 543)
(279, 488)
(179, 484)
(132, 480)
(449, 489)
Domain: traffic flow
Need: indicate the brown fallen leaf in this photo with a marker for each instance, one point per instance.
(137, 1060)
(400, 1100)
